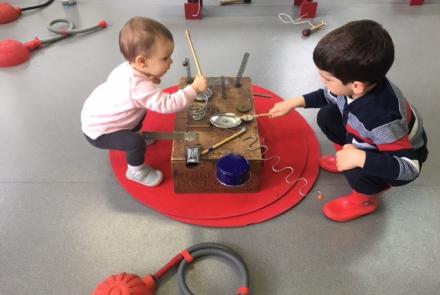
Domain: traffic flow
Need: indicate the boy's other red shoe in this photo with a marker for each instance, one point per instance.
(350, 207)
(328, 162)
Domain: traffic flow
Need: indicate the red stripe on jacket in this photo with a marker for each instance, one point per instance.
(398, 145)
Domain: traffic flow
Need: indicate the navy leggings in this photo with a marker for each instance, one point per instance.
(330, 121)
(129, 141)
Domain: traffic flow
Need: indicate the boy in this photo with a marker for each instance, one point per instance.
(378, 135)
(113, 114)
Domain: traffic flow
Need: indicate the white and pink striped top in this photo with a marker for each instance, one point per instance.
(121, 101)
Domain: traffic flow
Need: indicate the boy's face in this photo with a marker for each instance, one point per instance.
(160, 60)
(335, 85)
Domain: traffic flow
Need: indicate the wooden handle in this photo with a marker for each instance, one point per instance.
(262, 95)
(262, 115)
(196, 60)
(204, 152)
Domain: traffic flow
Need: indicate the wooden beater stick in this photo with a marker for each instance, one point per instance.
(261, 115)
(196, 60)
(211, 148)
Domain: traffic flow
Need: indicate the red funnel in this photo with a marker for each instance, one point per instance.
(8, 13)
(13, 53)
(124, 284)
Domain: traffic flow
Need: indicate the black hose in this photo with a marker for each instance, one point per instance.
(47, 3)
(213, 249)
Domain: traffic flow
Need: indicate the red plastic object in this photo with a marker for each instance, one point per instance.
(8, 13)
(350, 207)
(193, 10)
(308, 9)
(103, 24)
(416, 2)
(328, 162)
(337, 147)
(13, 52)
(297, 2)
(125, 284)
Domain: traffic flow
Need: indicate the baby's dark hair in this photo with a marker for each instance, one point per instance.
(138, 35)
(358, 51)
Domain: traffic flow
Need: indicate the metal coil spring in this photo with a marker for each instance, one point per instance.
(198, 110)
(264, 149)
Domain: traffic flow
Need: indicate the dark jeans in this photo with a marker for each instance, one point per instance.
(330, 121)
(124, 140)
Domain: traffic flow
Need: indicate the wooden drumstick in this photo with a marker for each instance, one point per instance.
(227, 139)
(196, 60)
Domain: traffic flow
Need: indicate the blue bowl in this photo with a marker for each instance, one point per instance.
(233, 170)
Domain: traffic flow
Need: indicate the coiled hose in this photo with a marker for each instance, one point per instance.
(213, 249)
(127, 284)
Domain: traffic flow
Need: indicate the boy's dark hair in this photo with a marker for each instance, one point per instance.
(358, 51)
(138, 35)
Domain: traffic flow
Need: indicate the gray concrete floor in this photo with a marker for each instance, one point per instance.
(66, 224)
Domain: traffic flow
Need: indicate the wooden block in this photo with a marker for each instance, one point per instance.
(202, 178)
(308, 9)
(193, 11)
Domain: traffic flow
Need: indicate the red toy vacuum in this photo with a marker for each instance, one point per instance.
(126, 284)
(13, 52)
(9, 13)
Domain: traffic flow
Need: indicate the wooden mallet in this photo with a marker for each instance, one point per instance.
(227, 139)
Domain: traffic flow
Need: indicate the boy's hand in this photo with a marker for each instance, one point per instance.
(350, 157)
(280, 109)
(200, 84)
(284, 107)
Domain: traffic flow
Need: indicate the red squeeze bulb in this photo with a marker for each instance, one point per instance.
(8, 13)
(13, 52)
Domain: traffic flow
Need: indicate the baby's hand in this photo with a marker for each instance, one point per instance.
(280, 109)
(350, 157)
(200, 84)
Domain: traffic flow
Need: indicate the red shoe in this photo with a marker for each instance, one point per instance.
(337, 147)
(328, 162)
(350, 207)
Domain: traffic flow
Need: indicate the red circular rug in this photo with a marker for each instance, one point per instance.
(289, 137)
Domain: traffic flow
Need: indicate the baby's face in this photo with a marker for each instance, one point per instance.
(160, 60)
(335, 85)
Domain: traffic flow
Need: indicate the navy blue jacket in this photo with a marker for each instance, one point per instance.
(383, 124)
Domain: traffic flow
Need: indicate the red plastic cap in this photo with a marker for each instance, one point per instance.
(187, 256)
(13, 53)
(33, 44)
(244, 290)
(8, 13)
(150, 283)
(103, 24)
(122, 284)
